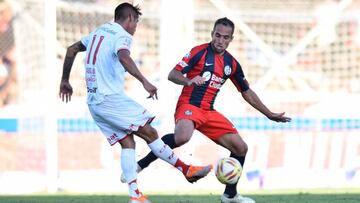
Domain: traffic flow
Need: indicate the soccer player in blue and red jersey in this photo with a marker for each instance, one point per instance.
(202, 72)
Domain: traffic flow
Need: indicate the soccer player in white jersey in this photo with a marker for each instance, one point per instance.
(118, 116)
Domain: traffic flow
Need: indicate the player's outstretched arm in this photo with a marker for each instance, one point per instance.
(65, 87)
(130, 66)
(251, 97)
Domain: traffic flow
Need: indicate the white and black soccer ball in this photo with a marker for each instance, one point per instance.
(228, 170)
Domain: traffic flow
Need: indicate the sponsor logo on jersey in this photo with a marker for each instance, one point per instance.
(90, 74)
(188, 112)
(108, 30)
(91, 79)
(208, 64)
(112, 137)
(91, 90)
(216, 82)
(206, 75)
(227, 70)
(90, 70)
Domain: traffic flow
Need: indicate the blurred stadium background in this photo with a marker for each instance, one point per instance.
(300, 56)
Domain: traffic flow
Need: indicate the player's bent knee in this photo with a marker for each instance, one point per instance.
(151, 132)
(241, 150)
(244, 149)
(128, 142)
(148, 133)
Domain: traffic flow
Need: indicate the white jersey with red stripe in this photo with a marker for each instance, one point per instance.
(104, 73)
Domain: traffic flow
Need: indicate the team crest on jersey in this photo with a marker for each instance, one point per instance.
(227, 70)
(188, 112)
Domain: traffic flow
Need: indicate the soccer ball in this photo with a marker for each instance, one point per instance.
(228, 170)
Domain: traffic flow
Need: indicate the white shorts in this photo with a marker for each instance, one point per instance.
(118, 116)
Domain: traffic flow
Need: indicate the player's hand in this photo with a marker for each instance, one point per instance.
(279, 117)
(197, 80)
(151, 89)
(65, 91)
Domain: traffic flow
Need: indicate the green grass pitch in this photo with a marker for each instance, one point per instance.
(278, 196)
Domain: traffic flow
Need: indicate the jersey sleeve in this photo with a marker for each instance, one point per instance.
(85, 40)
(238, 79)
(123, 42)
(190, 59)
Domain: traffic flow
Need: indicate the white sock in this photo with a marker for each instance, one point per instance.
(128, 166)
(163, 151)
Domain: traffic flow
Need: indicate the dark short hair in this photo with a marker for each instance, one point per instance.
(226, 22)
(122, 11)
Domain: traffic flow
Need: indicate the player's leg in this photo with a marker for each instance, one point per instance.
(128, 166)
(238, 149)
(221, 130)
(183, 132)
(151, 157)
(168, 139)
(128, 158)
(163, 151)
(185, 116)
(236, 145)
(157, 146)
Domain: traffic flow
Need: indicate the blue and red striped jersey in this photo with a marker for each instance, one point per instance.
(216, 68)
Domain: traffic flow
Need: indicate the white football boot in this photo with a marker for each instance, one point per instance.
(237, 199)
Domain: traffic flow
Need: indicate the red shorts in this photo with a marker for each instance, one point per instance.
(210, 123)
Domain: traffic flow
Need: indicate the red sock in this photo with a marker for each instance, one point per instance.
(182, 166)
